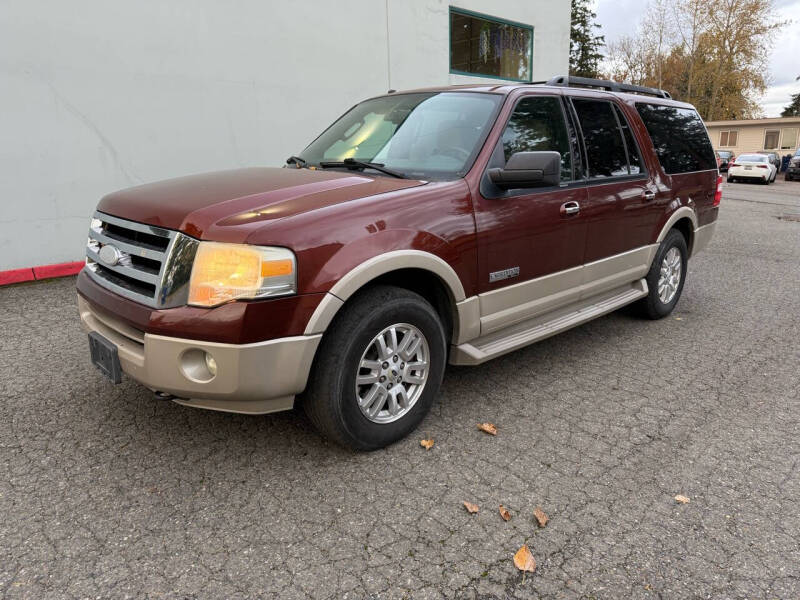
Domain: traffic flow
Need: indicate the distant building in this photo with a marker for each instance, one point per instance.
(781, 135)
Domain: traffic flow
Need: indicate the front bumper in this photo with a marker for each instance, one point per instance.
(254, 378)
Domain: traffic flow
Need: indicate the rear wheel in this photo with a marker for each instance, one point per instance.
(666, 277)
(378, 369)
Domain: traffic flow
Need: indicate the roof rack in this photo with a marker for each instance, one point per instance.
(605, 84)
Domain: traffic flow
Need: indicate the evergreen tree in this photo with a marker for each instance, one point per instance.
(793, 108)
(584, 43)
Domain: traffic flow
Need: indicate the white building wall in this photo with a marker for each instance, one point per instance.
(98, 95)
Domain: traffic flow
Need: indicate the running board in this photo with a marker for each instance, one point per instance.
(538, 328)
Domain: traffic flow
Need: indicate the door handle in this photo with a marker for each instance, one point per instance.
(648, 195)
(570, 208)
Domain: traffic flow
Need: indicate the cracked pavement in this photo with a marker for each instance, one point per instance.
(108, 492)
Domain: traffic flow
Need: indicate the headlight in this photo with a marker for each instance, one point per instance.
(225, 272)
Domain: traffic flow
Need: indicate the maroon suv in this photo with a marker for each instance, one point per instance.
(440, 225)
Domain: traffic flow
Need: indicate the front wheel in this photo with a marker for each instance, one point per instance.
(377, 370)
(666, 277)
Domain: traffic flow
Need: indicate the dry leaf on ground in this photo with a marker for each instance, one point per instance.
(489, 428)
(681, 499)
(427, 444)
(541, 518)
(524, 560)
(471, 508)
(504, 513)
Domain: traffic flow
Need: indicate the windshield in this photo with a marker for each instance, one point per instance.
(752, 158)
(724, 154)
(424, 136)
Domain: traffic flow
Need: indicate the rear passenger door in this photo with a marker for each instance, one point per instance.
(530, 247)
(623, 203)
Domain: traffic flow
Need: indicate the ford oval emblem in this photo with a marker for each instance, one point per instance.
(110, 255)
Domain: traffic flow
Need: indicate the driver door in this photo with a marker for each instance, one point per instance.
(531, 241)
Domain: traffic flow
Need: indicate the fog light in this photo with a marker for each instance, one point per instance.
(211, 364)
(198, 365)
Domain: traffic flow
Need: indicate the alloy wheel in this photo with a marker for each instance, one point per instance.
(670, 277)
(392, 373)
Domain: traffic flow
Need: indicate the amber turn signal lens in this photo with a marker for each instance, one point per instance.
(273, 268)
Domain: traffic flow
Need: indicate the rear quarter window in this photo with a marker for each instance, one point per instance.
(679, 137)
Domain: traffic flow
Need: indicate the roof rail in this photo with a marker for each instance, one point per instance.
(605, 84)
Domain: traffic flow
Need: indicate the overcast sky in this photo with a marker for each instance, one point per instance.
(620, 17)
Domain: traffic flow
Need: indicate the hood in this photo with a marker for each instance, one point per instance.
(242, 197)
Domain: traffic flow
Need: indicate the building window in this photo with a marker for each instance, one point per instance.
(728, 139)
(771, 139)
(491, 47)
(789, 139)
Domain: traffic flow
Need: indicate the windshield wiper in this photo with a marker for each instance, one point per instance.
(352, 163)
(296, 160)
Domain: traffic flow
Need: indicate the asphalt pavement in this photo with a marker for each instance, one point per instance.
(106, 492)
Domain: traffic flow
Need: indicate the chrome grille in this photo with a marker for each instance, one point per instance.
(148, 264)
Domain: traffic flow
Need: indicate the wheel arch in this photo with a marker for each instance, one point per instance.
(421, 272)
(684, 220)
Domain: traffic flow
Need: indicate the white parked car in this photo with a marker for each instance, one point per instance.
(752, 167)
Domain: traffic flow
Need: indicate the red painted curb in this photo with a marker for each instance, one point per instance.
(59, 270)
(16, 276)
(41, 272)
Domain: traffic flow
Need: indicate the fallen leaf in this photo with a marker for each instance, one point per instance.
(679, 318)
(471, 508)
(427, 444)
(681, 499)
(541, 518)
(504, 513)
(524, 560)
(489, 428)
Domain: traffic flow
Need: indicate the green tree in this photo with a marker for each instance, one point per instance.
(584, 42)
(793, 108)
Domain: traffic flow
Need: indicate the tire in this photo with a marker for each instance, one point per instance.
(331, 399)
(731, 179)
(652, 306)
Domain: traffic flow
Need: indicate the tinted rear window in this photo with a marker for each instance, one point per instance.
(679, 138)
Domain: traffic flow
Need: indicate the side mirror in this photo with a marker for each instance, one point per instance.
(528, 169)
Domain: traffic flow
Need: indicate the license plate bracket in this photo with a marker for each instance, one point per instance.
(105, 357)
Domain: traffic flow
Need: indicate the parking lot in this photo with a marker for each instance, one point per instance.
(108, 492)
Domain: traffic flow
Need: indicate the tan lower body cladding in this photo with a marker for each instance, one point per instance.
(250, 378)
